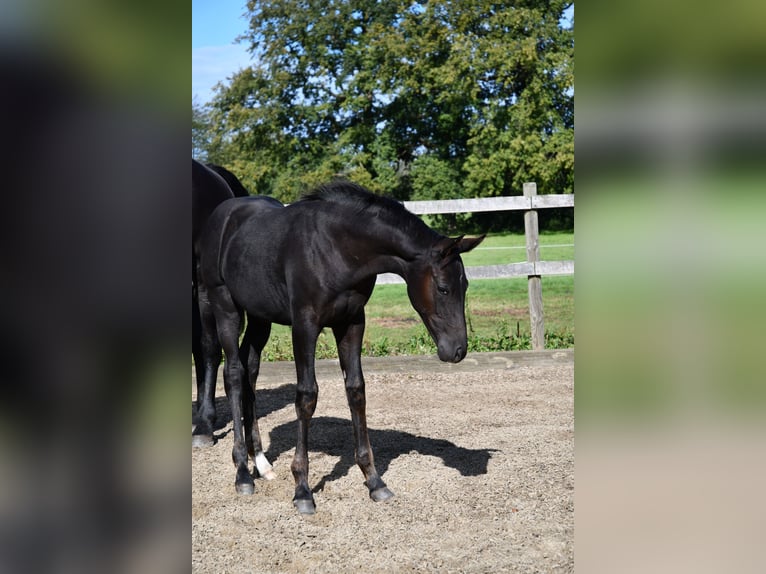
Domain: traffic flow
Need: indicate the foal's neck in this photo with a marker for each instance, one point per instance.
(392, 248)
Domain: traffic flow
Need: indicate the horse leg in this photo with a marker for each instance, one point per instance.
(349, 340)
(199, 368)
(207, 360)
(256, 335)
(229, 320)
(305, 334)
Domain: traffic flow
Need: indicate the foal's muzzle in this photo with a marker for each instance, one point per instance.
(451, 353)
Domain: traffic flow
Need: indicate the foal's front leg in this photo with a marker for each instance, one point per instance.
(305, 334)
(349, 340)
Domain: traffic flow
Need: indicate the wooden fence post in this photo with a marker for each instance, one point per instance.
(534, 283)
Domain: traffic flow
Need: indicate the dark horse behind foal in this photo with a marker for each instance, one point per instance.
(312, 265)
(209, 190)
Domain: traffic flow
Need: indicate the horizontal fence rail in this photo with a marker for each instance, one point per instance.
(533, 268)
(523, 269)
(481, 204)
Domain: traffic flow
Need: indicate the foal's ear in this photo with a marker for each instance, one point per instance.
(451, 247)
(448, 246)
(467, 243)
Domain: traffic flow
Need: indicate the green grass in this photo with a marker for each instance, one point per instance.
(497, 312)
(496, 309)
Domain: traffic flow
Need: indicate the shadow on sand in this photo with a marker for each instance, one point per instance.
(335, 437)
(267, 402)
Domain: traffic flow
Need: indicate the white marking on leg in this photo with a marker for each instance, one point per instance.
(264, 467)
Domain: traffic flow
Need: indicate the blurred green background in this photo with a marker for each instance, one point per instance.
(671, 135)
(670, 391)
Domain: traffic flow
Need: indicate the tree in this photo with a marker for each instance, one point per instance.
(427, 98)
(200, 131)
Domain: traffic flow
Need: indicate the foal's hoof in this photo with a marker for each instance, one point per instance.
(305, 506)
(268, 475)
(247, 488)
(381, 494)
(263, 468)
(244, 482)
(202, 440)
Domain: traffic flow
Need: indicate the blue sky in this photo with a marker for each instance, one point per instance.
(215, 56)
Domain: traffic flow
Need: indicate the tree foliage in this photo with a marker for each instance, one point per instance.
(416, 99)
(200, 131)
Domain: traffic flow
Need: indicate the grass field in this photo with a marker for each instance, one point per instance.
(497, 312)
(499, 249)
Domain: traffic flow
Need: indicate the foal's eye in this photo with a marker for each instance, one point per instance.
(442, 290)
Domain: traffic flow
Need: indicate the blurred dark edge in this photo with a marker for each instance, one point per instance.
(670, 383)
(93, 332)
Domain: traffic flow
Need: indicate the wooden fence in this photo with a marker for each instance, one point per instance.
(533, 268)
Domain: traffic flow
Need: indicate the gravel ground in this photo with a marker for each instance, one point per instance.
(480, 457)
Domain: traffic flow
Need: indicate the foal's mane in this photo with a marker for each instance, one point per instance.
(362, 202)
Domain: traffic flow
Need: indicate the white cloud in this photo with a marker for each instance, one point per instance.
(213, 64)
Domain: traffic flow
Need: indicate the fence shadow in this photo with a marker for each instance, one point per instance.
(334, 436)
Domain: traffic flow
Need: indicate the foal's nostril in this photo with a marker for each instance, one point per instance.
(459, 354)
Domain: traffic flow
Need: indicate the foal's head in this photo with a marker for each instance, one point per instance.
(436, 286)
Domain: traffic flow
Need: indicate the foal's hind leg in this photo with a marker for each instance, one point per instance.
(228, 320)
(256, 335)
(349, 339)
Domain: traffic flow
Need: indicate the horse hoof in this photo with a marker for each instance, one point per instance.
(381, 494)
(202, 440)
(268, 475)
(305, 506)
(262, 467)
(246, 488)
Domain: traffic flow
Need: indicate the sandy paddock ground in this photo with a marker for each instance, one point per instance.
(480, 456)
